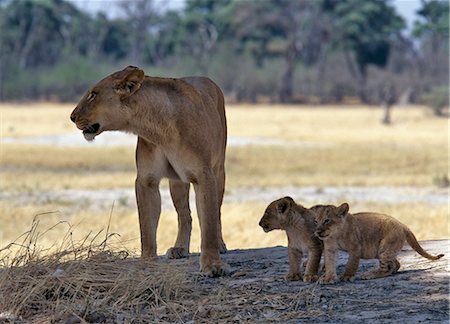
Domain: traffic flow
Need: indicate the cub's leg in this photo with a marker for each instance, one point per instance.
(180, 197)
(330, 264)
(295, 255)
(312, 264)
(352, 267)
(387, 258)
(220, 180)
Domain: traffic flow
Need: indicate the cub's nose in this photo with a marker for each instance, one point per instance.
(73, 118)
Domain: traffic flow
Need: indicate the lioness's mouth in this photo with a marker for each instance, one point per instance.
(93, 129)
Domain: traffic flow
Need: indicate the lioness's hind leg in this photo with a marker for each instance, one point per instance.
(180, 197)
(220, 180)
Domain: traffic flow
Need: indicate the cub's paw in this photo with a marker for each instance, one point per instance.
(177, 253)
(310, 278)
(215, 269)
(372, 275)
(350, 278)
(328, 279)
(293, 276)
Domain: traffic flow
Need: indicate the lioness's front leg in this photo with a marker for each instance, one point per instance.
(208, 212)
(149, 209)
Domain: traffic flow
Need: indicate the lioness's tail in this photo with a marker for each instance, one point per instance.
(412, 241)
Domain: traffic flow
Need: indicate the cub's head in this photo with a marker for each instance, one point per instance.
(102, 107)
(277, 214)
(329, 219)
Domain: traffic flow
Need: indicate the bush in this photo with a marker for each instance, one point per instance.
(437, 99)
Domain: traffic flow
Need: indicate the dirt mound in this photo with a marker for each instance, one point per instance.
(98, 285)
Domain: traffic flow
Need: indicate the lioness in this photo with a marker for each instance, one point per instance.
(181, 129)
(298, 222)
(363, 236)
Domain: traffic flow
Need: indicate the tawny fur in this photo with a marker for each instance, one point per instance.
(364, 236)
(181, 129)
(298, 222)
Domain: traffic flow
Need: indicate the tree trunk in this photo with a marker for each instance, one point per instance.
(362, 81)
(287, 81)
(387, 113)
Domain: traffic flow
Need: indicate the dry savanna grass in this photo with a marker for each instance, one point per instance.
(240, 223)
(322, 147)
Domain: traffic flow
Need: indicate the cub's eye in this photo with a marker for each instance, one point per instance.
(91, 96)
(326, 221)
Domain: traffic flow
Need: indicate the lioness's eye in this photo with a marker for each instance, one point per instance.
(91, 96)
(326, 221)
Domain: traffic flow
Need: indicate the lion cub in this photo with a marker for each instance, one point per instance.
(363, 236)
(298, 222)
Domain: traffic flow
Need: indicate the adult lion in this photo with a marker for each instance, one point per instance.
(181, 129)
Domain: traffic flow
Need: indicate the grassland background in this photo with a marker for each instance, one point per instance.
(320, 146)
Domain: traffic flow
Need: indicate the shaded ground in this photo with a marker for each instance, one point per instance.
(124, 290)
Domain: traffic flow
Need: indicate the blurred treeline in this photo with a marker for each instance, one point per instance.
(322, 51)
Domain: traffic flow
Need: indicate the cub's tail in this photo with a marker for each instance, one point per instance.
(412, 241)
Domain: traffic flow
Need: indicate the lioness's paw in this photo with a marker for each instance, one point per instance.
(310, 278)
(328, 279)
(348, 278)
(293, 276)
(215, 269)
(177, 253)
(222, 247)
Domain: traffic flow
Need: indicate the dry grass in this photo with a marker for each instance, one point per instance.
(240, 223)
(329, 146)
(91, 280)
(35, 119)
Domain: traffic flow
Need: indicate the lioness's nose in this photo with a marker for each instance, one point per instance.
(73, 118)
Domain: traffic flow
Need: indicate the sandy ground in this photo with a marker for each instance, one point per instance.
(257, 291)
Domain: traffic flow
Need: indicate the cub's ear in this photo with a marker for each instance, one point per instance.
(130, 81)
(343, 209)
(283, 207)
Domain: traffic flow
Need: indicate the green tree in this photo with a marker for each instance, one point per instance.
(432, 29)
(202, 26)
(281, 28)
(365, 30)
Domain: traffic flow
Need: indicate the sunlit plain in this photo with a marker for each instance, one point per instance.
(311, 146)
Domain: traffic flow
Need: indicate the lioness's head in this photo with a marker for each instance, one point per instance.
(102, 107)
(329, 219)
(277, 214)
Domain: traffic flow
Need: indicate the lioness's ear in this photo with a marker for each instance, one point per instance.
(130, 82)
(342, 210)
